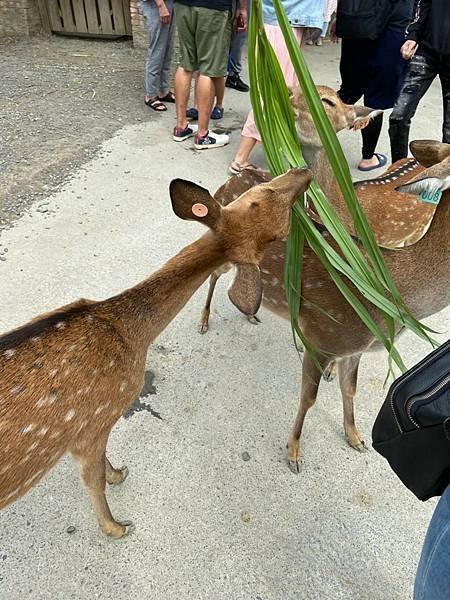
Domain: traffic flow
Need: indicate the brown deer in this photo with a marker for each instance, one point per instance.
(68, 375)
(409, 229)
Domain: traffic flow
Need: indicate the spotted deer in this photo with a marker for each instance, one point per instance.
(68, 375)
(414, 237)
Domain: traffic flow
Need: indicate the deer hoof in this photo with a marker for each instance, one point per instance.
(203, 326)
(253, 320)
(330, 372)
(118, 530)
(295, 466)
(359, 445)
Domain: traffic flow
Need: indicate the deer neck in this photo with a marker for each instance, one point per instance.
(142, 312)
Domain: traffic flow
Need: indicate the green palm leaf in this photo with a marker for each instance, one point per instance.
(365, 270)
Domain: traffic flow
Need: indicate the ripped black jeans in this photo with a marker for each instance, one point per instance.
(422, 70)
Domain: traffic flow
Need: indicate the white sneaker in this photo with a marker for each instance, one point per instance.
(211, 140)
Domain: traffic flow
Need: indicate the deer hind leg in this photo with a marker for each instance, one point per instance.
(311, 375)
(115, 476)
(348, 376)
(93, 462)
(204, 320)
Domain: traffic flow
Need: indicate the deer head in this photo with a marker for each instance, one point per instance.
(342, 116)
(245, 227)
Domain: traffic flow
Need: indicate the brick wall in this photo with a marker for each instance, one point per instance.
(19, 18)
(140, 35)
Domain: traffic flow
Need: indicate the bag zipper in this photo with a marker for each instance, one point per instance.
(414, 399)
(412, 372)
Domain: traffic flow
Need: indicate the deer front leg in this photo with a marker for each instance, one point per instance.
(310, 384)
(204, 320)
(348, 376)
(93, 467)
(115, 476)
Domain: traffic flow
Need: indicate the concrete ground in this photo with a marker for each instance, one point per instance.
(218, 514)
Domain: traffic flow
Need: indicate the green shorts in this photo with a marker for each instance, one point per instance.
(204, 35)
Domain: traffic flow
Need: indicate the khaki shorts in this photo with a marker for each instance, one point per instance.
(204, 35)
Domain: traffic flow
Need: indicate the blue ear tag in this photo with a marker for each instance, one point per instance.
(430, 197)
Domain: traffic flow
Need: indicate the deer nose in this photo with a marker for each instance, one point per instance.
(292, 183)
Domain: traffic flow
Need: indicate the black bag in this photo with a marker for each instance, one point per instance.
(362, 19)
(412, 429)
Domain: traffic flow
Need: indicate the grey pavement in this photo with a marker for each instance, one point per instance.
(209, 524)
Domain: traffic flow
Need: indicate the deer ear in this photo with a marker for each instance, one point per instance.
(363, 117)
(245, 291)
(192, 202)
(429, 152)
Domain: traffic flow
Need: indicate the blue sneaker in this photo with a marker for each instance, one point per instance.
(179, 135)
(192, 113)
(217, 113)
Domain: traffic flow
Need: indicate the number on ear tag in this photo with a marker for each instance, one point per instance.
(430, 197)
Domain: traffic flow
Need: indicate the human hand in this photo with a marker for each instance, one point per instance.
(408, 49)
(332, 32)
(241, 20)
(164, 14)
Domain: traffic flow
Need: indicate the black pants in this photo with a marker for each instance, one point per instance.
(422, 70)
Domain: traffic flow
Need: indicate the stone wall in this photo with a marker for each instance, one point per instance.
(19, 18)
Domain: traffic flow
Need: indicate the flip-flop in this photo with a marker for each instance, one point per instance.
(169, 97)
(155, 104)
(382, 161)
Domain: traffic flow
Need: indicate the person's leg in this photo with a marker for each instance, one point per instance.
(246, 145)
(185, 17)
(444, 74)
(213, 41)
(370, 136)
(205, 98)
(219, 88)
(164, 82)
(433, 573)
(182, 89)
(419, 76)
(157, 39)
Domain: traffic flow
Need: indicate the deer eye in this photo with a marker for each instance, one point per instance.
(328, 101)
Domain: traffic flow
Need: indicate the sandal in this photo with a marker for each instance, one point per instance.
(169, 97)
(382, 160)
(235, 168)
(156, 104)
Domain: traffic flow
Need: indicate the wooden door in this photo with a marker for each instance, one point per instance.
(100, 18)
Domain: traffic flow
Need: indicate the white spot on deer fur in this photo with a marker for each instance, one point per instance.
(53, 372)
(123, 386)
(28, 428)
(42, 431)
(60, 325)
(274, 281)
(52, 397)
(69, 415)
(99, 409)
(9, 353)
(72, 347)
(33, 446)
(35, 339)
(112, 362)
(17, 389)
(263, 281)
(265, 271)
(89, 318)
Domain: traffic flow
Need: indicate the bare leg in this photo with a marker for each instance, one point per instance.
(115, 476)
(205, 98)
(204, 320)
(182, 89)
(348, 376)
(92, 462)
(246, 145)
(310, 384)
(219, 88)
